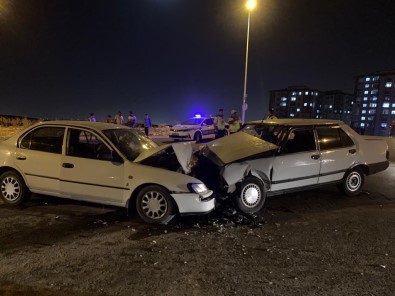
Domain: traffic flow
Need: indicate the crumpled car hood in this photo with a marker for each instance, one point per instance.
(235, 147)
(183, 153)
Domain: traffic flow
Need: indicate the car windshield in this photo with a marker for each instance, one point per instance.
(193, 121)
(267, 132)
(129, 141)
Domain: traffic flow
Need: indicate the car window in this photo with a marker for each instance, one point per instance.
(268, 133)
(299, 140)
(129, 141)
(193, 121)
(85, 144)
(47, 139)
(333, 137)
(209, 121)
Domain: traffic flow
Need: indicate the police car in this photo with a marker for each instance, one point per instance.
(196, 128)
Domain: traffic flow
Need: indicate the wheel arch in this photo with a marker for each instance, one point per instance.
(131, 205)
(363, 167)
(4, 169)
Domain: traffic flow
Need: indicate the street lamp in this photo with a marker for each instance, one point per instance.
(250, 6)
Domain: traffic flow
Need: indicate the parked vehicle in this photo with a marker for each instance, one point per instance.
(271, 157)
(196, 128)
(103, 163)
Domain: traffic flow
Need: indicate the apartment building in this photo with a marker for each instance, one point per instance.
(374, 107)
(304, 102)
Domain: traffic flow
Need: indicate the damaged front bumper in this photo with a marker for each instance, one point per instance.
(193, 203)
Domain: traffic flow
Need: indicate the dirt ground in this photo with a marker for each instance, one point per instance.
(311, 243)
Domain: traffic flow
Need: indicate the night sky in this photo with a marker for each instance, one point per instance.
(174, 58)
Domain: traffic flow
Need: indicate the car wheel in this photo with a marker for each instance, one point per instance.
(251, 195)
(155, 205)
(197, 137)
(352, 182)
(13, 190)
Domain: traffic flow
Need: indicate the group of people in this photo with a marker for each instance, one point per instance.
(234, 122)
(131, 120)
(220, 124)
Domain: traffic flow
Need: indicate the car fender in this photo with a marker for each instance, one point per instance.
(235, 172)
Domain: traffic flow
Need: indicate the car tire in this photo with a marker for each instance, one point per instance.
(155, 205)
(13, 190)
(352, 183)
(197, 137)
(251, 195)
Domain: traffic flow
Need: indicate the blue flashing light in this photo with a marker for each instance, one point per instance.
(198, 116)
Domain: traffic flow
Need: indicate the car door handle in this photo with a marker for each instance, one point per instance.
(21, 157)
(315, 156)
(352, 151)
(68, 165)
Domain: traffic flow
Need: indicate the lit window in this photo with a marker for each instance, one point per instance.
(375, 78)
(387, 99)
(367, 79)
(366, 92)
(383, 125)
(386, 105)
(306, 92)
(294, 93)
(291, 115)
(352, 103)
(305, 104)
(393, 112)
(293, 99)
(311, 104)
(393, 105)
(283, 104)
(316, 93)
(318, 111)
(283, 99)
(365, 98)
(330, 106)
(298, 110)
(374, 98)
(388, 84)
(363, 111)
(348, 112)
(385, 112)
(362, 124)
(363, 118)
(367, 85)
(372, 111)
(364, 105)
(373, 105)
(374, 92)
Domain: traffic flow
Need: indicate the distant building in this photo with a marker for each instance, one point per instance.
(295, 101)
(374, 107)
(335, 104)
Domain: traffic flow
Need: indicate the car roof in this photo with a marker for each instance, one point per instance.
(296, 121)
(84, 124)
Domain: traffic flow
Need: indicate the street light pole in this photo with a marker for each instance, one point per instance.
(250, 6)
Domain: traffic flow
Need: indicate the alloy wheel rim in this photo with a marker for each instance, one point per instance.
(154, 205)
(10, 189)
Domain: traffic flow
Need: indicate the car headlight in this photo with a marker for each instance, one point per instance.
(201, 189)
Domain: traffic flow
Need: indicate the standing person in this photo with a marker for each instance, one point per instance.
(234, 122)
(109, 118)
(147, 124)
(118, 118)
(92, 117)
(219, 124)
(270, 114)
(132, 120)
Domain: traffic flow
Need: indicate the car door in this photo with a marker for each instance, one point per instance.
(38, 157)
(207, 128)
(338, 153)
(89, 171)
(298, 161)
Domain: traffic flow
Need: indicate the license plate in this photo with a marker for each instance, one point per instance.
(174, 134)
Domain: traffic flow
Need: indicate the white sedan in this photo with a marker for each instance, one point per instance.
(272, 157)
(104, 163)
